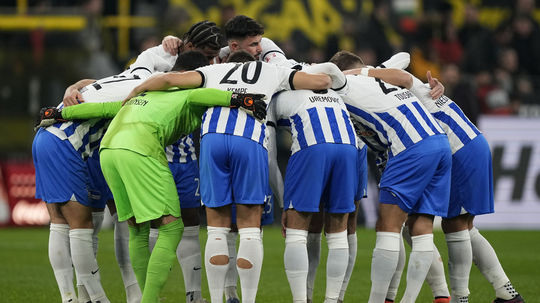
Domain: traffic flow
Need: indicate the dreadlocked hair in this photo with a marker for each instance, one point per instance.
(204, 34)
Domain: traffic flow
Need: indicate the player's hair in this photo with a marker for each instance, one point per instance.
(346, 60)
(204, 34)
(240, 56)
(240, 27)
(190, 60)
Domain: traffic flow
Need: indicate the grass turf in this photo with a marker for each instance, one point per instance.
(26, 275)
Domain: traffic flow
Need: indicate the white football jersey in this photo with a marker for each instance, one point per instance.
(459, 129)
(392, 116)
(181, 151)
(250, 77)
(312, 118)
(85, 135)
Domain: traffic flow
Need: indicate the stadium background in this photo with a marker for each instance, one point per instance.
(486, 52)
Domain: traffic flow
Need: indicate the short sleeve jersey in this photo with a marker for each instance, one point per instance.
(250, 77)
(392, 115)
(312, 118)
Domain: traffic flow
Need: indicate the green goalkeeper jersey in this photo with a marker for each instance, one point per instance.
(152, 120)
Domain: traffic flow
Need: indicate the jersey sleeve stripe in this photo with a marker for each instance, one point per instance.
(291, 77)
(203, 82)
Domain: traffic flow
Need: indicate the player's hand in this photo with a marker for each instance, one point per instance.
(255, 104)
(72, 97)
(283, 223)
(134, 92)
(172, 44)
(437, 89)
(49, 116)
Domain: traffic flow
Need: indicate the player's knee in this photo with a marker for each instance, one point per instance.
(243, 263)
(219, 260)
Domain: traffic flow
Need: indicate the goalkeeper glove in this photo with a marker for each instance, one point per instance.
(253, 103)
(49, 116)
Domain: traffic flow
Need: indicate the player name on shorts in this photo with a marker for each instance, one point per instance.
(137, 101)
(238, 90)
(404, 95)
(314, 99)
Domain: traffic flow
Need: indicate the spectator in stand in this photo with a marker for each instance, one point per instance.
(445, 37)
(526, 42)
(477, 41)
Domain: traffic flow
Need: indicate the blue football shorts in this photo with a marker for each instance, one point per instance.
(418, 178)
(322, 174)
(98, 190)
(361, 191)
(61, 173)
(472, 179)
(233, 169)
(186, 177)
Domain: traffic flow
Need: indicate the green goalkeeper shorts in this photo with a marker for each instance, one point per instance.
(142, 187)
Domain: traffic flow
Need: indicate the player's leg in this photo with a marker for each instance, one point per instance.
(338, 198)
(435, 278)
(61, 181)
(353, 245)
(231, 279)
(79, 218)
(186, 177)
(396, 278)
(485, 258)
(163, 256)
(216, 192)
(121, 251)
(459, 255)
(248, 162)
(250, 250)
(387, 250)
(314, 250)
(59, 253)
(338, 254)
(216, 250)
(189, 254)
(296, 255)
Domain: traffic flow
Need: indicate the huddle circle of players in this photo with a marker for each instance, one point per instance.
(129, 136)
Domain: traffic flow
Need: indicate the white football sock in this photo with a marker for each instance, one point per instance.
(231, 279)
(383, 264)
(436, 277)
(396, 278)
(250, 249)
(485, 258)
(419, 262)
(121, 250)
(353, 246)
(216, 245)
(152, 238)
(85, 263)
(295, 259)
(336, 264)
(459, 263)
(60, 258)
(97, 221)
(314, 257)
(189, 257)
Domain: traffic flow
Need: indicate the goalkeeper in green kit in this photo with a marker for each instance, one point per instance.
(134, 164)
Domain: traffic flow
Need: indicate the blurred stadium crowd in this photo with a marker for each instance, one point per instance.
(487, 53)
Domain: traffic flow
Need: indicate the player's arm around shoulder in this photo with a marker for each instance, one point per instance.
(190, 79)
(72, 95)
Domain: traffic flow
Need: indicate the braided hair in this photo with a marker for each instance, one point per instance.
(204, 34)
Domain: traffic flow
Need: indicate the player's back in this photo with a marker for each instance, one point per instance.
(459, 129)
(181, 151)
(312, 117)
(395, 116)
(250, 77)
